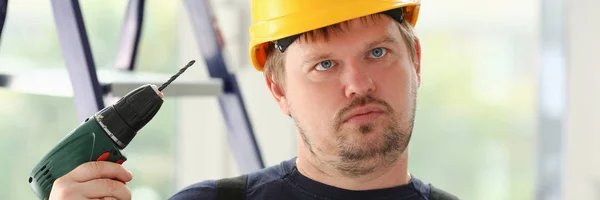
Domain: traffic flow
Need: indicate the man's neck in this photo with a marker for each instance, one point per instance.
(382, 177)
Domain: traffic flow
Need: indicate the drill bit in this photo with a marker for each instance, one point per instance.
(164, 85)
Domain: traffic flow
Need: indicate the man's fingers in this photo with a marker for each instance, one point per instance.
(104, 189)
(99, 170)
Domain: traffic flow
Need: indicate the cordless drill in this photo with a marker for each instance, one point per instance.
(101, 137)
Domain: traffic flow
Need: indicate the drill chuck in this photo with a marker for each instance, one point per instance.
(124, 119)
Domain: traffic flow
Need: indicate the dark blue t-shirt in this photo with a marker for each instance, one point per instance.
(283, 181)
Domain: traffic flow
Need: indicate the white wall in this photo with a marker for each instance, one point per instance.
(582, 132)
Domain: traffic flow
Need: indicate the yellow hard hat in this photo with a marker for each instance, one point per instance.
(274, 20)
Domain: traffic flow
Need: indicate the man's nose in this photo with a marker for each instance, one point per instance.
(357, 81)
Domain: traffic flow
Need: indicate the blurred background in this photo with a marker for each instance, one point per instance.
(503, 113)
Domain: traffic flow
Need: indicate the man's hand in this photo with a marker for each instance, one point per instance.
(93, 180)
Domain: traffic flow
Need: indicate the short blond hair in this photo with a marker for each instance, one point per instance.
(274, 67)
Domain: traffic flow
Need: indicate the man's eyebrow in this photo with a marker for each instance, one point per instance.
(316, 56)
(386, 39)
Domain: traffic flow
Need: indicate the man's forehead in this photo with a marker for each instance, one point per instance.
(358, 25)
(283, 43)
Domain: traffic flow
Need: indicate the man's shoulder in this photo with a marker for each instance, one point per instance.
(431, 192)
(439, 194)
(206, 190)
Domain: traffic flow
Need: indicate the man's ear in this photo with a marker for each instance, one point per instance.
(418, 61)
(278, 93)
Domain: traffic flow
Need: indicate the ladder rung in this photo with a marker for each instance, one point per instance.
(55, 82)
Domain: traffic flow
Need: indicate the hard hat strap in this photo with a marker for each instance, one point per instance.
(282, 44)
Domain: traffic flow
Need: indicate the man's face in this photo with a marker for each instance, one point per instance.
(352, 94)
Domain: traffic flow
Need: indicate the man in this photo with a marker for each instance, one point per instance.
(347, 73)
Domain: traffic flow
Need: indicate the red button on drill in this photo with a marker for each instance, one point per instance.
(103, 157)
(119, 162)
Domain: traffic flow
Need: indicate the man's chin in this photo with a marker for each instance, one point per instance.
(370, 141)
(365, 159)
(361, 130)
(363, 147)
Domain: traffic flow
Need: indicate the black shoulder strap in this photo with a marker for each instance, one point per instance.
(437, 194)
(232, 188)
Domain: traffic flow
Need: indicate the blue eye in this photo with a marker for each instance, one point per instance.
(324, 65)
(378, 52)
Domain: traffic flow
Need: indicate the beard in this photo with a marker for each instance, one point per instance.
(355, 156)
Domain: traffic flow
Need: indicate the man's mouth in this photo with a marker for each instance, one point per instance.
(363, 114)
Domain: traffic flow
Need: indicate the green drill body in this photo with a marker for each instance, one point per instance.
(86, 143)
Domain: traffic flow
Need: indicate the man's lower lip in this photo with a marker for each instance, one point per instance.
(364, 118)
